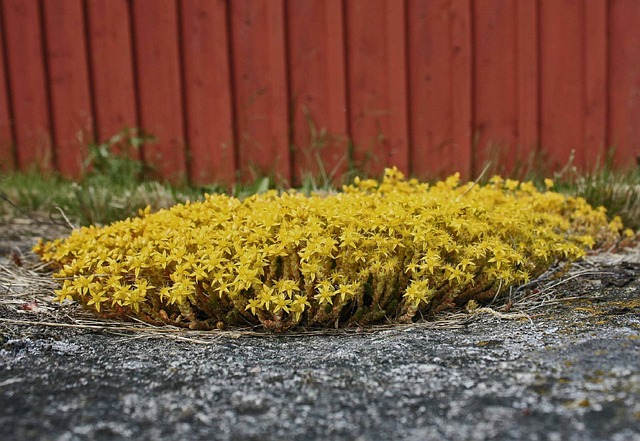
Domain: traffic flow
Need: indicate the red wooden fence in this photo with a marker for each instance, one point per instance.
(244, 86)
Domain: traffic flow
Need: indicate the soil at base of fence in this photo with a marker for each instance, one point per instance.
(572, 372)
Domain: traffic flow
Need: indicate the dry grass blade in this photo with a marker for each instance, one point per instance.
(28, 287)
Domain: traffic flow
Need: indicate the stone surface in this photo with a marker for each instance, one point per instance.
(570, 372)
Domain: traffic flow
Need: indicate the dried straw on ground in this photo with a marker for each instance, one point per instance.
(26, 296)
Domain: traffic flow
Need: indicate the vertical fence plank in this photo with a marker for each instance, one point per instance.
(111, 57)
(440, 87)
(376, 83)
(397, 81)
(461, 71)
(528, 80)
(338, 115)
(430, 86)
(277, 60)
(494, 81)
(260, 79)
(595, 67)
(624, 82)
(68, 83)
(317, 79)
(159, 85)
(7, 159)
(22, 29)
(562, 81)
(209, 123)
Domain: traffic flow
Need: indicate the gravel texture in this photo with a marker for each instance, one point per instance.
(571, 372)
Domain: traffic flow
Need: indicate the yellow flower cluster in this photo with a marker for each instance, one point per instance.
(375, 251)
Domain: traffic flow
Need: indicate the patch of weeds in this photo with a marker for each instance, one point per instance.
(32, 191)
(319, 175)
(604, 185)
(114, 185)
(259, 185)
(116, 160)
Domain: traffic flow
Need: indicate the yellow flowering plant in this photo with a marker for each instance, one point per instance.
(390, 250)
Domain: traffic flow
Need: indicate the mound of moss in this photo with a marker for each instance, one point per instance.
(376, 252)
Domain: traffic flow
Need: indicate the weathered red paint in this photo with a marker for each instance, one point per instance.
(260, 81)
(440, 87)
(595, 81)
(159, 84)
(7, 159)
(207, 91)
(528, 85)
(624, 82)
(26, 68)
(572, 75)
(377, 87)
(432, 86)
(317, 81)
(112, 77)
(207, 83)
(461, 84)
(495, 112)
(70, 96)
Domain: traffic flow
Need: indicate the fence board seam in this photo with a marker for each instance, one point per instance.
(90, 78)
(136, 73)
(232, 92)
(186, 134)
(53, 151)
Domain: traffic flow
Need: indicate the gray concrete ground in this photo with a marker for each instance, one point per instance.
(572, 372)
